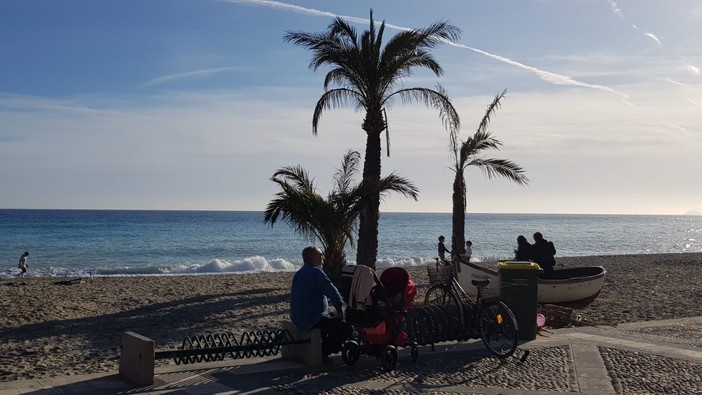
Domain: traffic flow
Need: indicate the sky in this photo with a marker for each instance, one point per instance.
(194, 104)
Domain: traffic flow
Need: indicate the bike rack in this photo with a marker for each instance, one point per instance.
(217, 346)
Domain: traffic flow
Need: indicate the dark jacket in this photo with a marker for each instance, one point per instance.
(524, 252)
(544, 252)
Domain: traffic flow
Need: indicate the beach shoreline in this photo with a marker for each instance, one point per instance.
(54, 327)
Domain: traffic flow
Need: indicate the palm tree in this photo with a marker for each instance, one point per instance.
(469, 153)
(331, 220)
(366, 75)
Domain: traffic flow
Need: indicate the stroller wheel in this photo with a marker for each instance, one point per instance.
(388, 358)
(415, 354)
(350, 352)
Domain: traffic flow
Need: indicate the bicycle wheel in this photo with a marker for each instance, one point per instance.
(498, 328)
(440, 295)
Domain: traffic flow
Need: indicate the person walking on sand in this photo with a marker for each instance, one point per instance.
(543, 253)
(311, 288)
(442, 249)
(23, 265)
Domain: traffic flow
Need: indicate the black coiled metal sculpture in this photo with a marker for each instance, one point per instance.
(217, 346)
(432, 324)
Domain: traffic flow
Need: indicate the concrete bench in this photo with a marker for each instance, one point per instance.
(136, 361)
(310, 353)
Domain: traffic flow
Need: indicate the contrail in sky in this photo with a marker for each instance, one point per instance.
(618, 12)
(190, 74)
(691, 68)
(553, 78)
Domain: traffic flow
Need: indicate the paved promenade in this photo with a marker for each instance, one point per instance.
(654, 357)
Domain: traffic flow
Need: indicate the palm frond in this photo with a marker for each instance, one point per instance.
(295, 174)
(439, 32)
(492, 107)
(396, 183)
(343, 30)
(345, 174)
(436, 99)
(501, 167)
(333, 99)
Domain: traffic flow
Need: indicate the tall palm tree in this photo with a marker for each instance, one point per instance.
(367, 75)
(470, 153)
(330, 220)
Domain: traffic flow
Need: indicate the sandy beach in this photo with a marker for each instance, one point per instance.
(54, 327)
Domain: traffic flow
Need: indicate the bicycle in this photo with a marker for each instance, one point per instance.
(491, 319)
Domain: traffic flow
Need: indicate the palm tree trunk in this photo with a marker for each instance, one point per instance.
(334, 262)
(459, 214)
(367, 252)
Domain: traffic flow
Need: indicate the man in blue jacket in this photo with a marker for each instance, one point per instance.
(309, 306)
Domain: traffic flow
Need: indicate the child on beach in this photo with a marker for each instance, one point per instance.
(442, 248)
(23, 265)
(469, 251)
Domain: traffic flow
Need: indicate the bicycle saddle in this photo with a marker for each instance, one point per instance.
(480, 283)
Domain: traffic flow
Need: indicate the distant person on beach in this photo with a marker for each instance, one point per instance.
(442, 248)
(544, 252)
(469, 251)
(23, 265)
(524, 251)
(309, 306)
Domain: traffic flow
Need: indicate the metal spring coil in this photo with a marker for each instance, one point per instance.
(434, 324)
(260, 343)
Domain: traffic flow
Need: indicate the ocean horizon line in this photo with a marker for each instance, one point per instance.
(690, 213)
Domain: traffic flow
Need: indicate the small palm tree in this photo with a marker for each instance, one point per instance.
(469, 153)
(367, 76)
(330, 220)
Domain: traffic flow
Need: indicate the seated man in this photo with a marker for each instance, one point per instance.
(309, 307)
(543, 253)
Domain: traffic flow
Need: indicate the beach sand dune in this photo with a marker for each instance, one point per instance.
(57, 327)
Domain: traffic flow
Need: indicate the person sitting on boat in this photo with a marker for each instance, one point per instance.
(442, 249)
(544, 252)
(524, 251)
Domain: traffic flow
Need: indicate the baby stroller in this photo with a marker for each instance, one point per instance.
(377, 308)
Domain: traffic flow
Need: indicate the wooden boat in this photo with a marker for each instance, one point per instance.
(565, 285)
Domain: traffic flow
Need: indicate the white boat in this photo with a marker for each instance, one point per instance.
(565, 285)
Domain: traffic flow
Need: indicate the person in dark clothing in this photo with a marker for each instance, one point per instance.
(524, 250)
(311, 288)
(23, 265)
(544, 252)
(442, 248)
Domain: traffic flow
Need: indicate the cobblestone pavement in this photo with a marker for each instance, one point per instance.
(654, 357)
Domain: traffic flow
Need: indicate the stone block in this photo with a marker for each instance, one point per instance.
(308, 354)
(136, 361)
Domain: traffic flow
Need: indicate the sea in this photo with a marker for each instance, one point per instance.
(66, 243)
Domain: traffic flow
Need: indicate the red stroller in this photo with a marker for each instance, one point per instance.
(377, 308)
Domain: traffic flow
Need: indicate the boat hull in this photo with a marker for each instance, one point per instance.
(564, 286)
